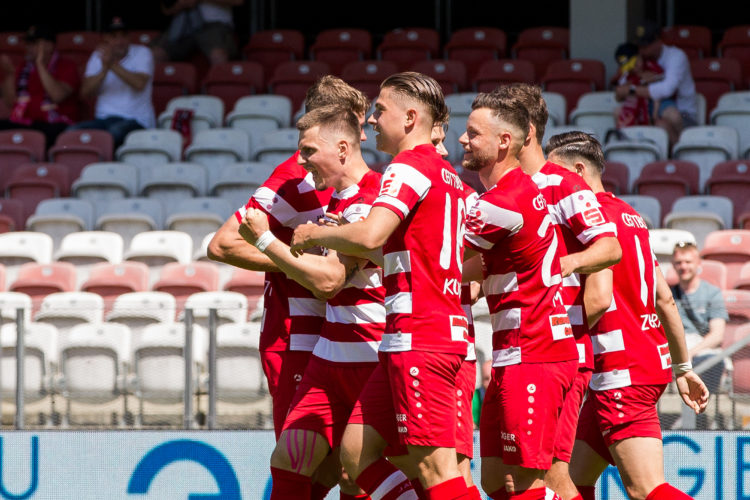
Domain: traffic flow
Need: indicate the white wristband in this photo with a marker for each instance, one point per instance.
(682, 368)
(264, 240)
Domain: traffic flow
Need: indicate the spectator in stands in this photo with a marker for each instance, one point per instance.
(204, 25)
(678, 106)
(119, 74)
(703, 313)
(42, 90)
(632, 69)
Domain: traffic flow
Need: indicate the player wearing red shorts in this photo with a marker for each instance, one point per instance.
(417, 219)
(587, 243)
(534, 354)
(635, 343)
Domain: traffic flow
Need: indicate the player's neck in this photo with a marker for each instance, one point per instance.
(532, 158)
(352, 175)
(595, 183)
(414, 139)
(492, 175)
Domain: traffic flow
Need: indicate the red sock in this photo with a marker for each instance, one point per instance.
(530, 494)
(346, 496)
(666, 491)
(384, 481)
(587, 492)
(289, 485)
(474, 493)
(452, 489)
(418, 488)
(500, 494)
(319, 491)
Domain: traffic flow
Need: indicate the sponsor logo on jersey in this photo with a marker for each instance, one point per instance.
(593, 217)
(390, 185)
(459, 328)
(475, 222)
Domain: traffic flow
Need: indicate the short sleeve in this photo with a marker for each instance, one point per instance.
(716, 307)
(94, 64)
(401, 188)
(489, 223)
(581, 212)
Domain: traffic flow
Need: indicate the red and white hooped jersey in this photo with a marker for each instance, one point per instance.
(355, 317)
(292, 316)
(423, 257)
(630, 346)
(579, 221)
(512, 229)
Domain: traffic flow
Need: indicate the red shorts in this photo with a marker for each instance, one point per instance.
(283, 371)
(616, 414)
(326, 396)
(521, 410)
(568, 422)
(465, 384)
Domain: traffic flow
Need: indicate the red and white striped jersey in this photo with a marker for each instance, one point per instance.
(292, 316)
(471, 198)
(423, 257)
(512, 229)
(355, 317)
(630, 346)
(579, 222)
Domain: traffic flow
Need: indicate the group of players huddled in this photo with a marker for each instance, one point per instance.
(367, 335)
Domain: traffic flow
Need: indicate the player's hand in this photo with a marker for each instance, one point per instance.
(332, 219)
(568, 265)
(693, 391)
(254, 223)
(302, 238)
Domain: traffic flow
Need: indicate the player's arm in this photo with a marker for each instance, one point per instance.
(601, 254)
(692, 389)
(597, 295)
(357, 238)
(472, 267)
(228, 246)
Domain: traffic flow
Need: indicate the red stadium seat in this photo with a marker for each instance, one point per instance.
(737, 303)
(406, 46)
(33, 183)
(616, 178)
(474, 46)
(11, 215)
(735, 44)
(451, 75)
(17, 147)
(574, 77)
(668, 180)
(695, 41)
(232, 80)
(541, 46)
(172, 79)
(78, 46)
(13, 44)
(249, 283)
(40, 280)
(341, 46)
(183, 280)
(112, 280)
(293, 78)
(731, 247)
(367, 75)
(732, 179)
(273, 47)
(143, 37)
(743, 280)
(714, 272)
(714, 77)
(78, 148)
(494, 73)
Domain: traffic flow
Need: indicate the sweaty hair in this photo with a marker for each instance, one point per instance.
(423, 89)
(530, 96)
(334, 118)
(577, 145)
(332, 90)
(505, 109)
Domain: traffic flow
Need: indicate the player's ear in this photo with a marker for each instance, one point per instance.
(580, 168)
(343, 149)
(411, 117)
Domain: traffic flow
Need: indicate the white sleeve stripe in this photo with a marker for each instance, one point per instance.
(411, 177)
(478, 241)
(275, 205)
(588, 234)
(396, 262)
(357, 210)
(498, 216)
(395, 203)
(496, 284)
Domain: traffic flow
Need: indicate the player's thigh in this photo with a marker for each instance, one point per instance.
(299, 451)
(361, 445)
(586, 465)
(493, 474)
(640, 461)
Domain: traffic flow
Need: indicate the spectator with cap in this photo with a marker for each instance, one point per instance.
(120, 75)
(675, 91)
(42, 90)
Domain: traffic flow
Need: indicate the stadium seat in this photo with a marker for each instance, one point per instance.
(700, 214)
(737, 303)
(39, 280)
(78, 46)
(106, 181)
(450, 74)
(11, 215)
(171, 182)
(143, 37)
(735, 44)
(731, 247)
(259, 114)
(217, 147)
(694, 40)
(13, 44)
(647, 206)
(130, 216)
(198, 216)
(21, 247)
(473, 46)
(406, 46)
(668, 180)
(94, 360)
(733, 110)
(595, 110)
(60, 216)
(273, 47)
(250, 284)
(701, 106)
(341, 46)
(110, 280)
(541, 46)
(156, 248)
(90, 247)
(143, 148)
(238, 181)
(34, 182)
(574, 77)
(183, 280)
(663, 242)
(18, 147)
(232, 80)
(714, 77)
(743, 279)
(239, 377)
(616, 178)
(172, 79)
(277, 146)
(707, 145)
(460, 106)
(77, 148)
(636, 146)
(367, 75)
(715, 272)
(293, 78)
(495, 72)
(731, 179)
(64, 310)
(231, 307)
(556, 106)
(10, 303)
(138, 310)
(208, 112)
